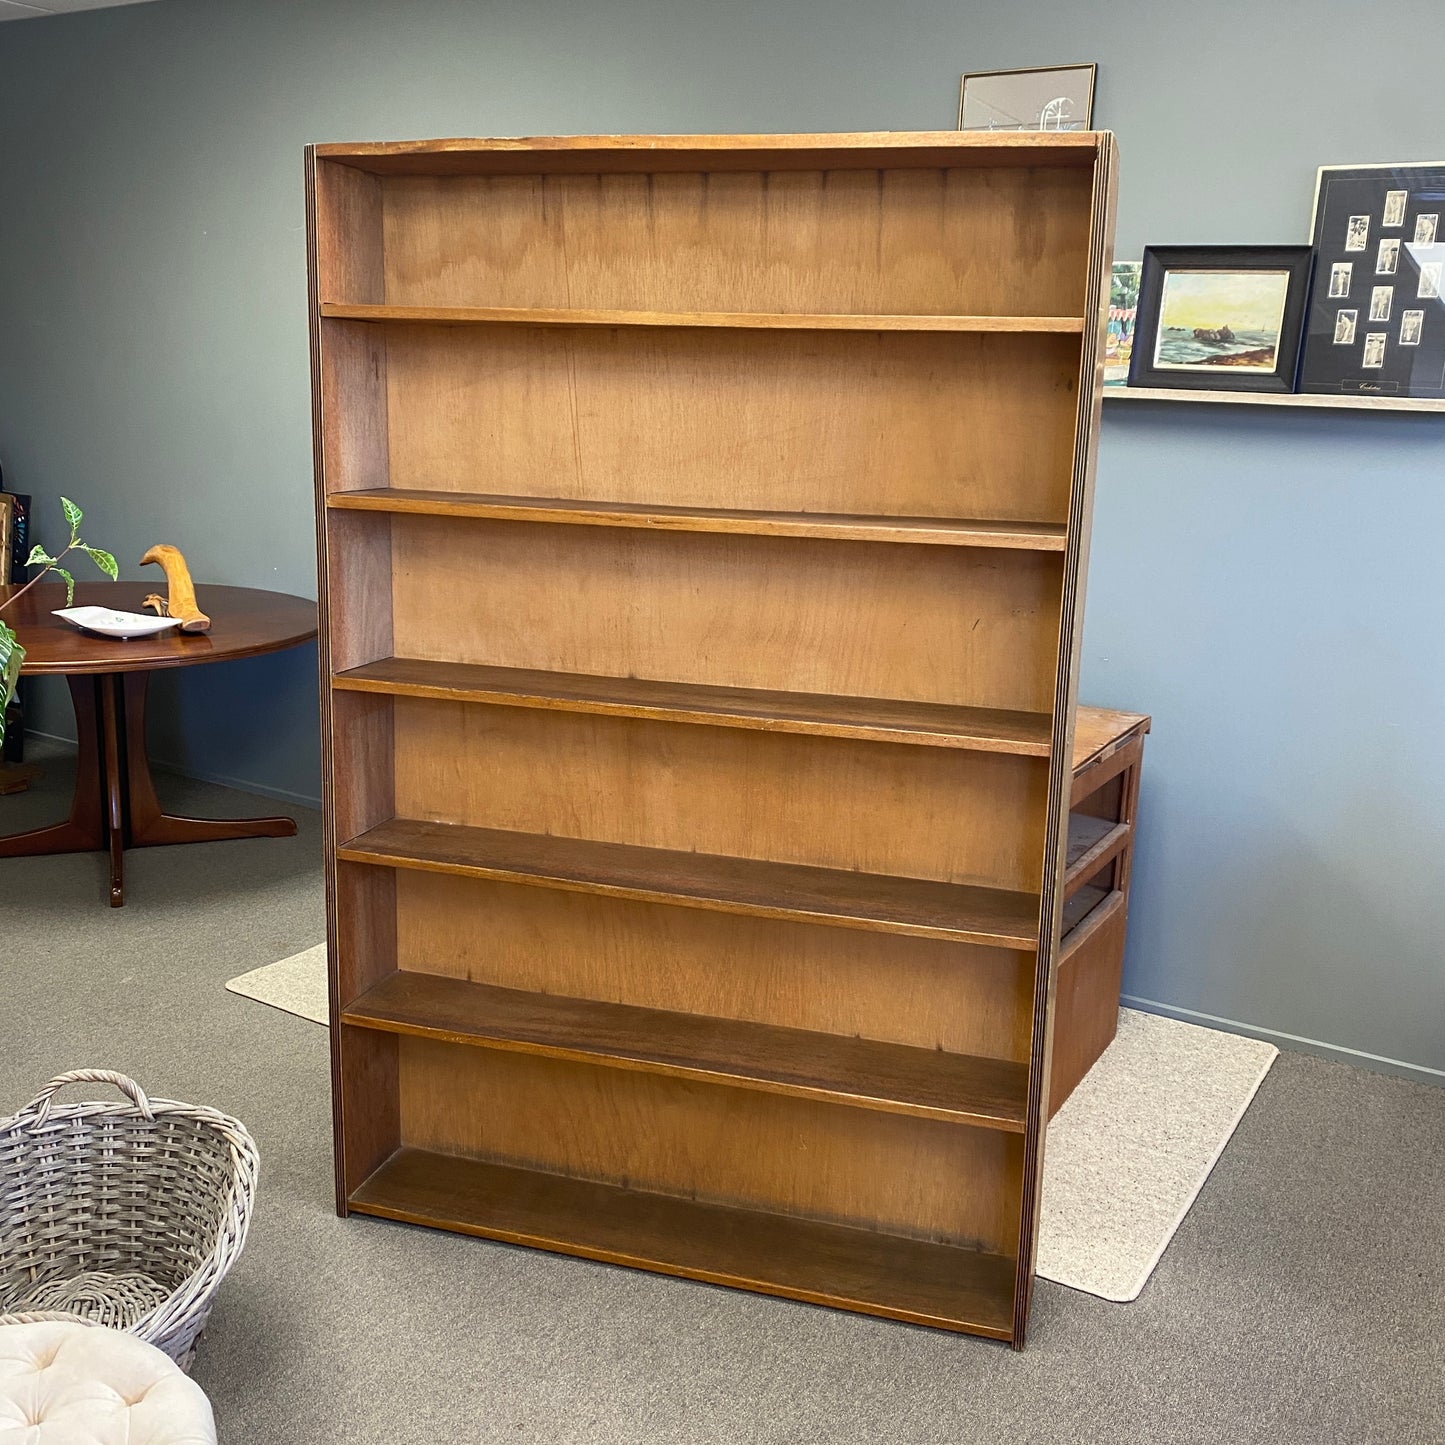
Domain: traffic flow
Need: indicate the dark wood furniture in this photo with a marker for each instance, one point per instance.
(700, 524)
(115, 805)
(1108, 753)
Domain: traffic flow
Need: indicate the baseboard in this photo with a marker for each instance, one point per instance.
(1296, 1042)
(243, 785)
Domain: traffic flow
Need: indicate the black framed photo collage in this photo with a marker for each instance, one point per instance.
(1376, 322)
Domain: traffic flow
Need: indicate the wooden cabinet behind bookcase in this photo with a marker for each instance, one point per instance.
(702, 524)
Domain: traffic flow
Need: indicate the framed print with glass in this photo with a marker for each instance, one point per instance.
(1046, 97)
(1220, 318)
(1376, 320)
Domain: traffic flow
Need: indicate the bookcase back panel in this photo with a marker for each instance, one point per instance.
(934, 995)
(926, 241)
(369, 1101)
(937, 624)
(948, 814)
(792, 1156)
(898, 423)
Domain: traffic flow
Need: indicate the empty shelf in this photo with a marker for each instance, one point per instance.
(730, 320)
(881, 1274)
(868, 1073)
(1092, 843)
(839, 526)
(836, 896)
(877, 719)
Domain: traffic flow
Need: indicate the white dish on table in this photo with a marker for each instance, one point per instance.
(110, 623)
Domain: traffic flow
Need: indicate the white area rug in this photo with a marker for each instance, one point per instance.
(1126, 1156)
(1130, 1150)
(296, 985)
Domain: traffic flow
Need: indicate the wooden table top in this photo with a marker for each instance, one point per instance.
(1095, 728)
(244, 623)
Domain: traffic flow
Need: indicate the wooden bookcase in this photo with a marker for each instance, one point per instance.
(702, 527)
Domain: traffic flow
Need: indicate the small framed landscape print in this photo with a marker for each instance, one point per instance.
(1047, 97)
(1375, 324)
(1222, 318)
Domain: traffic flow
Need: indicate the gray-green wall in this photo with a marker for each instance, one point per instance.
(1267, 585)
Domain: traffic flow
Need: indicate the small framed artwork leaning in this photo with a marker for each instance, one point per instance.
(1045, 97)
(1376, 319)
(1123, 312)
(1220, 318)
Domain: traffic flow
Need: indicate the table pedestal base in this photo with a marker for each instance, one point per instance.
(115, 805)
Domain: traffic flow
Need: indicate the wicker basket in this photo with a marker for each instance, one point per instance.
(127, 1215)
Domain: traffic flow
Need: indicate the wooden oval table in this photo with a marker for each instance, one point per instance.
(115, 805)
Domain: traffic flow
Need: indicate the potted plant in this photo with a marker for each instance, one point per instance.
(12, 655)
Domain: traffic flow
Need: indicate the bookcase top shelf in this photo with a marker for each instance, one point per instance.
(723, 320)
(862, 150)
(490, 506)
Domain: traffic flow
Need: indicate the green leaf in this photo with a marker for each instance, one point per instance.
(11, 656)
(38, 557)
(103, 560)
(69, 585)
(73, 514)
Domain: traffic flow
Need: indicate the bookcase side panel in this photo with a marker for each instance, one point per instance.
(1070, 633)
(354, 573)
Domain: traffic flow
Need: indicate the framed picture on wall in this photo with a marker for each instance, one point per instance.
(1376, 318)
(1220, 318)
(1046, 97)
(1123, 312)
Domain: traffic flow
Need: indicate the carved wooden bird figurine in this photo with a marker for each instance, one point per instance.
(181, 604)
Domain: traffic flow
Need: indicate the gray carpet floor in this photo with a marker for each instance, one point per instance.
(1301, 1303)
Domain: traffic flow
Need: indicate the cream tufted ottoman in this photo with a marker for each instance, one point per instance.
(78, 1384)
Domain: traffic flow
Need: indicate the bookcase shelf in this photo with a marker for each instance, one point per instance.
(1092, 843)
(866, 1073)
(914, 1280)
(877, 719)
(994, 917)
(726, 320)
(697, 826)
(935, 531)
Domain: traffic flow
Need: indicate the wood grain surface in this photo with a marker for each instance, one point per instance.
(245, 622)
(927, 1083)
(833, 896)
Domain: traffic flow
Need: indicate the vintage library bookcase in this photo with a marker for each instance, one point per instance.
(702, 532)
